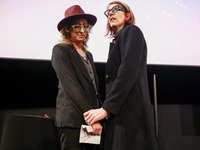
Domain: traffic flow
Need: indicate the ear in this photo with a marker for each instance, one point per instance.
(127, 16)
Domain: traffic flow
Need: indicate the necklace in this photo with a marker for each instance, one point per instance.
(83, 55)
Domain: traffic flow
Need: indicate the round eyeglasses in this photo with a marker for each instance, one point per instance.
(114, 10)
(77, 28)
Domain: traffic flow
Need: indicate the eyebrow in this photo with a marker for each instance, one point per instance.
(78, 23)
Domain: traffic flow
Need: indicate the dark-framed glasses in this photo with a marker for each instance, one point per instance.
(114, 10)
(77, 28)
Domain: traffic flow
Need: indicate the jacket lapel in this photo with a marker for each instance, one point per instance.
(80, 64)
(94, 70)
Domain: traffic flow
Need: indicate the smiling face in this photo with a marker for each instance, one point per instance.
(116, 20)
(78, 37)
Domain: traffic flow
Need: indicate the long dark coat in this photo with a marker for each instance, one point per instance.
(76, 93)
(130, 125)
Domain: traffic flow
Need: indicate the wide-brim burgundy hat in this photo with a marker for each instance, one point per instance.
(76, 11)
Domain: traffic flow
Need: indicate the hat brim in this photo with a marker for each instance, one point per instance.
(90, 18)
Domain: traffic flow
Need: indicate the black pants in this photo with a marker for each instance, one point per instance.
(69, 140)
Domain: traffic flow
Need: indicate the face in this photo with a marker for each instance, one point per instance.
(117, 19)
(79, 30)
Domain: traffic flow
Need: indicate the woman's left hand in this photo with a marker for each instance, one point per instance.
(97, 128)
(95, 115)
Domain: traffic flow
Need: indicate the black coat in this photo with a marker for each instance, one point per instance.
(130, 125)
(76, 93)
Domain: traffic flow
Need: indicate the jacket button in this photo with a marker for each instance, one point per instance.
(106, 76)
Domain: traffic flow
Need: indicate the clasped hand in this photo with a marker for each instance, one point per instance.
(94, 115)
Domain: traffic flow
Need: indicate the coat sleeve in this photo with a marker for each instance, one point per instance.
(63, 67)
(131, 49)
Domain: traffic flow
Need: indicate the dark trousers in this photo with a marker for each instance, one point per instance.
(69, 140)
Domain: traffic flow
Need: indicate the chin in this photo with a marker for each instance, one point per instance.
(112, 25)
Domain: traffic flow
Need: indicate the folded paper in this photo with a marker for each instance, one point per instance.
(86, 135)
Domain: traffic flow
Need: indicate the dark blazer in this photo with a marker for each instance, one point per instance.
(130, 125)
(76, 93)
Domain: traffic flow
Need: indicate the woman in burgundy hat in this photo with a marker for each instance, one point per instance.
(78, 83)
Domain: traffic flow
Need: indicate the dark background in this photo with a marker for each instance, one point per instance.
(30, 87)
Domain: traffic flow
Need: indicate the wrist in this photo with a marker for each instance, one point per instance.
(105, 112)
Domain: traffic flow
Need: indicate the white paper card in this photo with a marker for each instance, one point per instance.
(86, 135)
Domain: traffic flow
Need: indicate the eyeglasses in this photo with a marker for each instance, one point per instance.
(114, 10)
(77, 28)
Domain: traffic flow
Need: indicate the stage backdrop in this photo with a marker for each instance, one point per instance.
(171, 28)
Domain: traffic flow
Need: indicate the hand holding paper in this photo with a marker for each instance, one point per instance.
(86, 135)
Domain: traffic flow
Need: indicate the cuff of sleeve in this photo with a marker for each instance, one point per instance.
(108, 113)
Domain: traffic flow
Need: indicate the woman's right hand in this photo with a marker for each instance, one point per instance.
(95, 115)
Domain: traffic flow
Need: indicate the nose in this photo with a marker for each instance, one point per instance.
(82, 30)
(110, 13)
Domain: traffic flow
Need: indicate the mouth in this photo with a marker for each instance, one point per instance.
(112, 19)
(81, 35)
